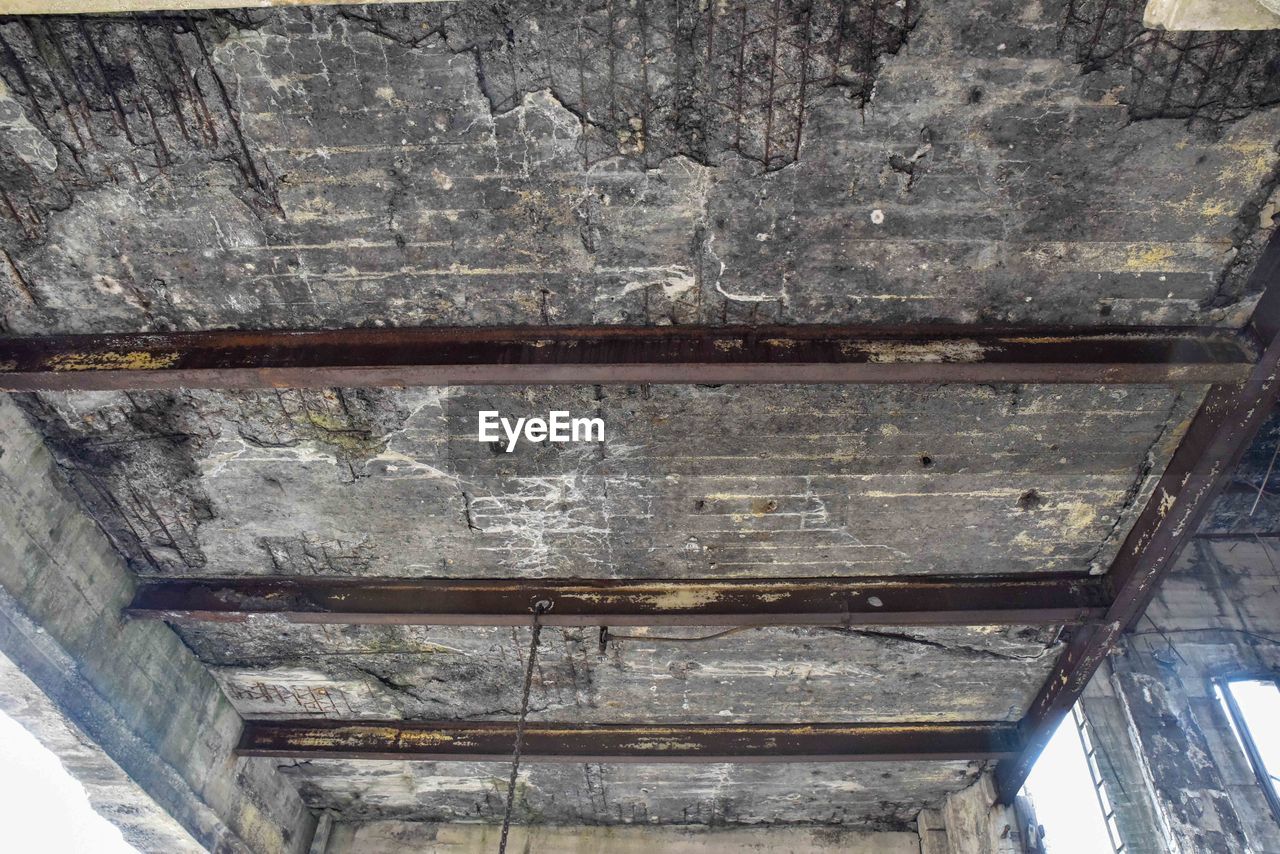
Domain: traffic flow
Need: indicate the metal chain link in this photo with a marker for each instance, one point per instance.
(538, 610)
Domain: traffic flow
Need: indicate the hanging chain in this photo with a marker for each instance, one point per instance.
(538, 610)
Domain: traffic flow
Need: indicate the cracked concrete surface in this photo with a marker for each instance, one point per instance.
(873, 795)
(429, 165)
(690, 481)
(776, 674)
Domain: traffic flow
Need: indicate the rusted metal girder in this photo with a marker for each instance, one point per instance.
(921, 601)
(650, 743)
(1216, 439)
(620, 354)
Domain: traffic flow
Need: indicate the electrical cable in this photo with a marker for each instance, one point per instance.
(538, 611)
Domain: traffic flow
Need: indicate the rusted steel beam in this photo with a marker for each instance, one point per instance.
(651, 743)
(1213, 445)
(924, 601)
(620, 354)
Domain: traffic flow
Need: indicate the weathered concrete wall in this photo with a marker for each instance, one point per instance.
(1172, 727)
(1141, 825)
(146, 707)
(391, 837)
(113, 793)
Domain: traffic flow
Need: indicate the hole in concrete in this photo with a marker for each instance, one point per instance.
(760, 506)
(926, 461)
(1029, 500)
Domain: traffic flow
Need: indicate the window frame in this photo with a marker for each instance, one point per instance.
(1240, 726)
(1084, 731)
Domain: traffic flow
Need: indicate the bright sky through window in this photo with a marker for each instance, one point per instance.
(1255, 717)
(1062, 790)
(43, 809)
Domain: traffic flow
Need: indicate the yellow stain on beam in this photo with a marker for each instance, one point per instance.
(131, 360)
(97, 7)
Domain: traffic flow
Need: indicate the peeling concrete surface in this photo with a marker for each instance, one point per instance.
(690, 481)
(444, 164)
(867, 795)
(271, 669)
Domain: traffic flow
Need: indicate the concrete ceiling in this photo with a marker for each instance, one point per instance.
(432, 164)
(639, 163)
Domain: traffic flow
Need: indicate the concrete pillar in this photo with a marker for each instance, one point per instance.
(1190, 796)
(973, 822)
(1123, 769)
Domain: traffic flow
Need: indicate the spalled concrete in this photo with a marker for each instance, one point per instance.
(272, 669)
(690, 480)
(843, 161)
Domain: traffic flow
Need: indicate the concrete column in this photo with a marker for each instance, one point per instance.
(1123, 769)
(973, 822)
(1190, 794)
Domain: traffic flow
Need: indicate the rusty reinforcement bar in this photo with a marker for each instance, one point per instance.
(650, 743)
(621, 354)
(921, 601)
